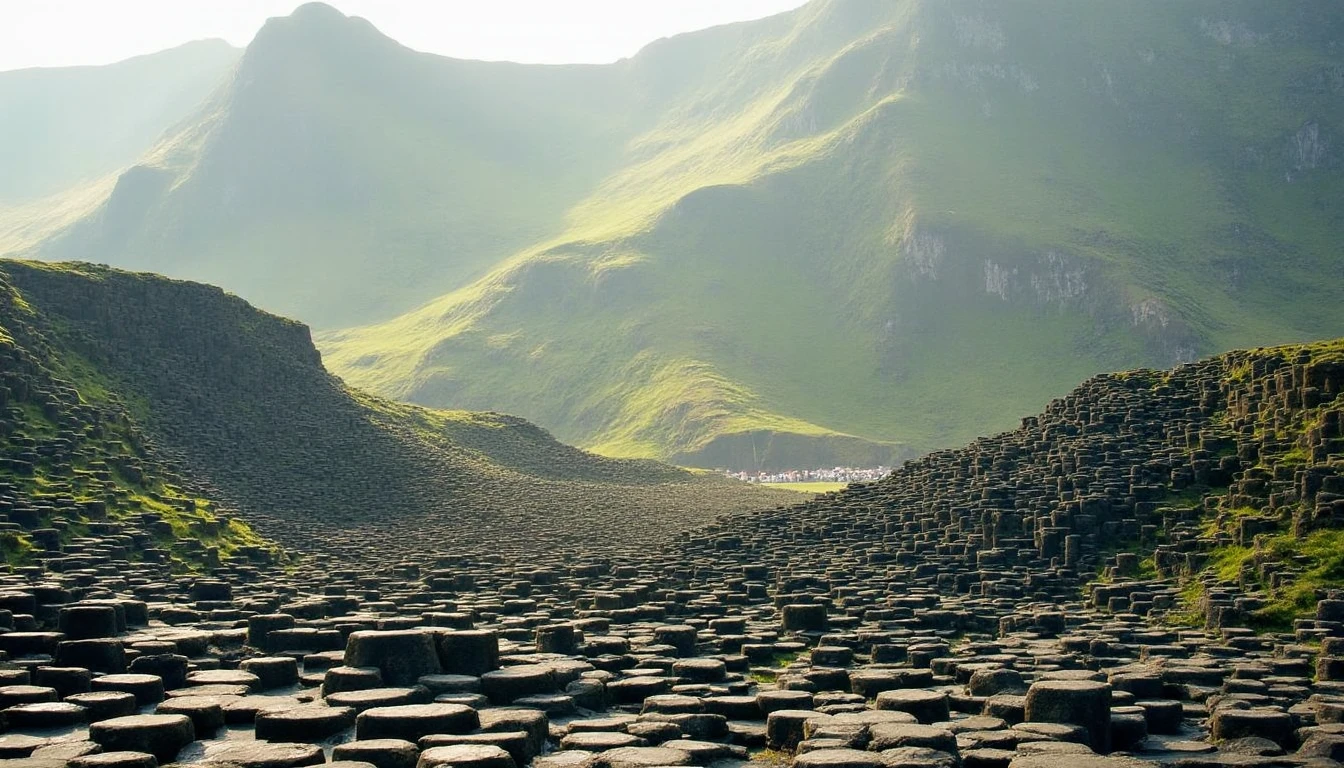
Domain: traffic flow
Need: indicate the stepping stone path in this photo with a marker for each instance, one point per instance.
(991, 606)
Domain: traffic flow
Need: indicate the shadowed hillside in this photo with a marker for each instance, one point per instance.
(240, 403)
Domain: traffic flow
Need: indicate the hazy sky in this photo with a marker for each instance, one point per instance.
(47, 33)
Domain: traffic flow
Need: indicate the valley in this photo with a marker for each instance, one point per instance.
(872, 384)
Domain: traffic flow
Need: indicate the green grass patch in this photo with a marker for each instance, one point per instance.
(762, 677)
(1187, 612)
(769, 672)
(1319, 556)
(16, 548)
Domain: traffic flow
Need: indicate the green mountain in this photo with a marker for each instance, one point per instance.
(908, 221)
(176, 400)
(340, 177)
(67, 125)
(844, 234)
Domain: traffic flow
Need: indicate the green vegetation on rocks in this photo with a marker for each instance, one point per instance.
(1277, 530)
(1210, 494)
(75, 460)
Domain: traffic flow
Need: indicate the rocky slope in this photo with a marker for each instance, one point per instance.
(931, 619)
(236, 406)
(78, 473)
(1212, 493)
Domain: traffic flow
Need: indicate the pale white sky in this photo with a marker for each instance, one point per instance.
(48, 33)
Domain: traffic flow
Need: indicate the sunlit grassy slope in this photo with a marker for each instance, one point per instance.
(905, 223)
(839, 235)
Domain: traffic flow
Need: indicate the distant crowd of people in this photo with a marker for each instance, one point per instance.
(835, 475)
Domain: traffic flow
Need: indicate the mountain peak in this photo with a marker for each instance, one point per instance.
(316, 12)
(312, 21)
(312, 29)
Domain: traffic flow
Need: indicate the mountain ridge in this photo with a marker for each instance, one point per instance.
(280, 150)
(1104, 300)
(67, 125)
(855, 230)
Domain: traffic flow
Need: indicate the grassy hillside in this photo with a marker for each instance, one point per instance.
(844, 234)
(906, 222)
(73, 124)
(237, 401)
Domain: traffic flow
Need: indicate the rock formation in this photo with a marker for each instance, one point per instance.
(1146, 573)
